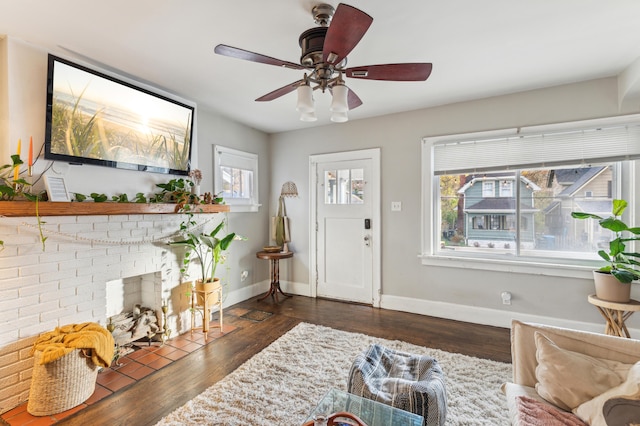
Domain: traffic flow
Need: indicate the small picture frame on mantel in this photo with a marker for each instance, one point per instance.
(56, 188)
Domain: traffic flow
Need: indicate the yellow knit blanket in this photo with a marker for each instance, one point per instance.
(63, 340)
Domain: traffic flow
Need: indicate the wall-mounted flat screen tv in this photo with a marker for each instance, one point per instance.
(93, 118)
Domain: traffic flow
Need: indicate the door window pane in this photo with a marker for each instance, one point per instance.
(357, 186)
(344, 186)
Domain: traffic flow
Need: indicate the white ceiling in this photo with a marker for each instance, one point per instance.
(478, 48)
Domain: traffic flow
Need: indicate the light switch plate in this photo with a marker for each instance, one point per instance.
(396, 206)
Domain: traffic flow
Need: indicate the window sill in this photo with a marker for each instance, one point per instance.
(501, 265)
(244, 208)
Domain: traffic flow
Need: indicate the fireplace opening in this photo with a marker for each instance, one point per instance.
(132, 309)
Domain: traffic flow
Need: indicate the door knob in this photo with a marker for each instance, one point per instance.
(367, 240)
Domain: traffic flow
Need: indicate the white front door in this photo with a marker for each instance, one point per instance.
(347, 219)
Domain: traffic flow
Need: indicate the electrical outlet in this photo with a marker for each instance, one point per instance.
(506, 298)
(396, 206)
(244, 275)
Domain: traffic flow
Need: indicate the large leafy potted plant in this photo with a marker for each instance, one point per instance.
(613, 280)
(209, 251)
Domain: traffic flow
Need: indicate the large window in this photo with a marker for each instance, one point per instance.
(516, 205)
(236, 178)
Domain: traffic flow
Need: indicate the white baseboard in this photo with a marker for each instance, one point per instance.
(240, 295)
(296, 288)
(472, 314)
(486, 316)
(245, 293)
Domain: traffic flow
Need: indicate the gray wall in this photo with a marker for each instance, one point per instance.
(447, 291)
(215, 129)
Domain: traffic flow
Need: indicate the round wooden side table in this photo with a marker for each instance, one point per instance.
(615, 313)
(274, 288)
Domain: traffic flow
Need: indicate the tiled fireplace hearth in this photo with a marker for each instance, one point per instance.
(66, 282)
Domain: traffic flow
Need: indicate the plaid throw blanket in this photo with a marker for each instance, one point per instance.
(413, 383)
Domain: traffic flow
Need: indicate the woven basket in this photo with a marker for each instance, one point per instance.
(61, 384)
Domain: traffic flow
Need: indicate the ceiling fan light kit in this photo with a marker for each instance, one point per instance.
(339, 101)
(305, 99)
(324, 51)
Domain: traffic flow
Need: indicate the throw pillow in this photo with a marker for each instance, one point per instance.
(591, 411)
(535, 413)
(567, 379)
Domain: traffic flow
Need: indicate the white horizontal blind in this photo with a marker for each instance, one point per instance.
(588, 142)
(235, 159)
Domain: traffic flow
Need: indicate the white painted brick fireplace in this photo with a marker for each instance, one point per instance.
(66, 282)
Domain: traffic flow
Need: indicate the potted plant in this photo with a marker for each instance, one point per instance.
(613, 280)
(209, 251)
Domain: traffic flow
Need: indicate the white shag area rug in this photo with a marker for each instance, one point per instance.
(284, 382)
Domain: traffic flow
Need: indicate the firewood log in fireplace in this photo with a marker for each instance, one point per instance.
(132, 326)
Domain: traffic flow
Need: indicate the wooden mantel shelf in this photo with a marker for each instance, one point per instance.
(46, 208)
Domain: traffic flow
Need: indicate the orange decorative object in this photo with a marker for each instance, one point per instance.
(16, 169)
(31, 151)
(30, 164)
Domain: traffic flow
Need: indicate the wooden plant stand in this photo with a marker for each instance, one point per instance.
(615, 314)
(202, 301)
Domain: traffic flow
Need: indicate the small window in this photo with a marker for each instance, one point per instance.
(506, 188)
(236, 178)
(487, 189)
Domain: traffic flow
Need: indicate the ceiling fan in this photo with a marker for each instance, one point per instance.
(324, 57)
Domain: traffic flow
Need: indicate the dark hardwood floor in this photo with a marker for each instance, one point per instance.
(153, 397)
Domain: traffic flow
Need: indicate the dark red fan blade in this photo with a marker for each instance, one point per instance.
(392, 72)
(353, 100)
(280, 92)
(234, 52)
(347, 27)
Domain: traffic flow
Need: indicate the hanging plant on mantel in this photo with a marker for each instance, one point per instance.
(12, 187)
(176, 191)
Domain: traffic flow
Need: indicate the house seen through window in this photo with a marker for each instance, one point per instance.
(534, 220)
